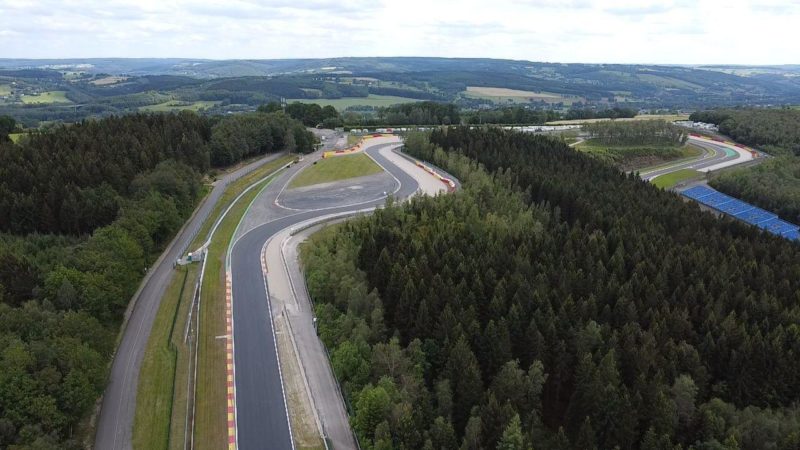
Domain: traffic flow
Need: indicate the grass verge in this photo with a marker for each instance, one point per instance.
(164, 367)
(162, 395)
(336, 168)
(669, 180)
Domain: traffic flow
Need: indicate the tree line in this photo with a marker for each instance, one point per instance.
(516, 115)
(416, 113)
(85, 209)
(771, 129)
(556, 303)
(74, 178)
(637, 132)
(611, 113)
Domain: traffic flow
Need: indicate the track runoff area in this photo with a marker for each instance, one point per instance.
(720, 154)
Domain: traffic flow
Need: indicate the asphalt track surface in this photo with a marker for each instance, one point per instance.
(714, 154)
(115, 421)
(261, 414)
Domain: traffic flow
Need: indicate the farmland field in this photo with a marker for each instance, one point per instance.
(5, 89)
(46, 97)
(108, 81)
(176, 105)
(344, 103)
(504, 95)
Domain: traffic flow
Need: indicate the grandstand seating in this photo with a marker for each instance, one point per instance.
(743, 211)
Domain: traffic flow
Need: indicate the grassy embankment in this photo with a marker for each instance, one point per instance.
(669, 180)
(162, 393)
(336, 168)
(636, 157)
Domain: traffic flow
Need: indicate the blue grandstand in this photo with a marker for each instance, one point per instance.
(743, 211)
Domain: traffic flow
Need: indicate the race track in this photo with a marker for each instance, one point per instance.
(716, 155)
(261, 414)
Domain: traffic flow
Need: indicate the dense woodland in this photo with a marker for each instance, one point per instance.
(775, 183)
(556, 303)
(516, 115)
(638, 132)
(611, 113)
(74, 178)
(632, 145)
(775, 131)
(84, 210)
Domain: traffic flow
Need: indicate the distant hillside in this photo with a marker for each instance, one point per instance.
(109, 86)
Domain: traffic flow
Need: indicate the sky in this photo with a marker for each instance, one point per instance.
(590, 31)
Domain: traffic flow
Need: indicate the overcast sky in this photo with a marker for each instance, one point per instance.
(612, 31)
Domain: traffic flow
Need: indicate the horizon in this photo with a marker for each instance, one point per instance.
(676, 32)
(167, 58)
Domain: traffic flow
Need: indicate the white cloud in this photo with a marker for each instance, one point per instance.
(613, 31)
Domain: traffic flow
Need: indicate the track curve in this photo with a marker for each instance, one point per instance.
(261, 414)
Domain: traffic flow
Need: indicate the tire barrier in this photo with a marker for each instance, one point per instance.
(451, 185)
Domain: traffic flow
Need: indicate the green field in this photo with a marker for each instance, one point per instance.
(504, 95)
(15, 137)
(668, 82)
(176, 105)
(669, 180)
(344, 103)
(5, 89)
(46, 97)
(336, 168)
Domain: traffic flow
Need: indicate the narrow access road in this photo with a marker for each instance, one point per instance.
(260, 406)
(116, 416)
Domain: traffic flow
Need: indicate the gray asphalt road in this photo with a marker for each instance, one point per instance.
(338, 193)
(715, 154)
(260, 407)
(115, 421)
